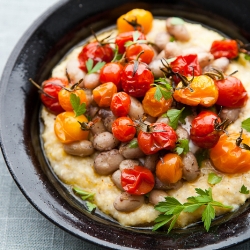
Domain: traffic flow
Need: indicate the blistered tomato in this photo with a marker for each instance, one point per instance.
(224, 48)
(120, 104)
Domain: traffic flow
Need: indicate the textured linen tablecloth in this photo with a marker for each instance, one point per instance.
(21, 226)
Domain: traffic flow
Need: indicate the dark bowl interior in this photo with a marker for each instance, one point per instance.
(40, 49)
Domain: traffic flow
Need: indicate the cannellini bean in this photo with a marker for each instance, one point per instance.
(150, 119)
(163, 186)
(92, 110)
(116, 178)
(108, 121)
(98, 126)
(156, 196)
(151, 161)
(161, 39)
(75, 73)
(125, 164)
(80, 148)
(156, 66)
(89, 96)
(190, 169)
(107, 162)
(172, 49)
(105, 112)
(130, 153)
(182, 133)
(179, 31)
(136, 110)
(230, 114)
(163, 119)
(91, 81)
(160, 55)
(105, 141)
(205, 58)
(221, 63)
(127, 202)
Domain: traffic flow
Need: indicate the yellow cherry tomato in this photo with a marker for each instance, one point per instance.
(64, 98)
(229, 158)
(143, 18)
(154, 107)
(103, 94)
(169, 168)
(68, 129)
(201, 91)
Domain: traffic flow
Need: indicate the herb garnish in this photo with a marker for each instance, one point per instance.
(213, 178)
(244, 190)
(136, 35)
(182, 146)
(174, 116)
(86, 196)
(133, 144)
(78, 107)
(91, 68)
(246, 124)
(163, 89)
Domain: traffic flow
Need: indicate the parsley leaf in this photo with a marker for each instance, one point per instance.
(247, 57)
(133, 144)
(163, 89)
(186, 112)
(174, 116)
(213, 178)
(246, 124)
(244, 190)
(79, 108)
(84, 194)
(91, 206)
(182, 146)
(171, 208)
(136, 35)
(90, 64)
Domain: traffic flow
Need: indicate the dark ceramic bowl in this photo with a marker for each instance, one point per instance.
(40, 49)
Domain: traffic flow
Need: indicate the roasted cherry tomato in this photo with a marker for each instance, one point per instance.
(96, 51)
(134, 49)
(64, 97)
(169, 168)
(153, 107)
(201, 90)
(229, 158)
(68, 129)
(136, 79)
(186, 65)
(156, 137)
(123, 129)
(111, 72)
(120, 104)
(124, 37)
(143, 18)
(205, 129)
(51, 87)
(232, 93)
(103, 94)
(224, 48)
(138, 180)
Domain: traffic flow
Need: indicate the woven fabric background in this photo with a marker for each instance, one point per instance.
(21, 226)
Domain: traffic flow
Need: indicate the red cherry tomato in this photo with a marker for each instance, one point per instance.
(136, 81)
(120, 104)
(52, 86)
(111, 72)
(186, 65)
(232, 93)
(138, 180)
(124, 37)
(134, 49)
(96, 51)
(123, 129)
(224, 48)
(160, 136)
(203, 129)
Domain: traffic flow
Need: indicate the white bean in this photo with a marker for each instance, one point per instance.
(130, 153)
(156, 196)
(75, 73)
(155, 67)
(190, 167)
(221, 63)
(151, 161)
(136, 110)
(179, 31)
(161, 39)
(172, 49)
(105, 141)
(80, 148)
(98, 126)
(91, 81)
(116, 178)
(128, 164)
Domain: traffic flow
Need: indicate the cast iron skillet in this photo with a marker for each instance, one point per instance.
(39, 50)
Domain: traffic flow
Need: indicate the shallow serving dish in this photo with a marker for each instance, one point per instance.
(40, 49)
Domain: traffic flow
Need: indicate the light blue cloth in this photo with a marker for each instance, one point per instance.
(21, 226)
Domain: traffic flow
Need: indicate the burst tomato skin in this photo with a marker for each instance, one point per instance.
(224, 48)
(120, 104)
(138, 83)
(97, 52)
(123, 129)
(52, 86)
(232, 93)
(138, 180)
(227, 157)
(68, 129)
(203, 132)
(133, 50)
(161, 136)
(124, 37)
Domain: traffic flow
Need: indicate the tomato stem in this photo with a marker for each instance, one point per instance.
(40, 88)
(134, 24)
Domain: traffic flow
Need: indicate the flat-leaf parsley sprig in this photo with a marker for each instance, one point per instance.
(172, 208)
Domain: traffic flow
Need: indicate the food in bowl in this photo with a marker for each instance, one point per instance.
(147, 126)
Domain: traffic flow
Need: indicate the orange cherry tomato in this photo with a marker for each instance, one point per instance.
(103, 94)
(64, 98)
(229, 158)
(153, 107)
(68, 129)
(169, 168)
(143, 17)
(201, 91)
